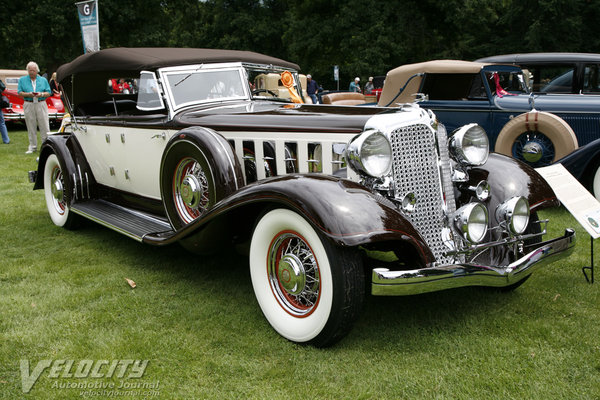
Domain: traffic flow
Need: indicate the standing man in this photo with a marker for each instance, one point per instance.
(34, 89)
(3, 131)
(312, 88)
(354, 86)
(369, 86)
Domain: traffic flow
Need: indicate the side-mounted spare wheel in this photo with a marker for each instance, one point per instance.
(198, 169)
(56, 193)
(310, 290)
(536, 138)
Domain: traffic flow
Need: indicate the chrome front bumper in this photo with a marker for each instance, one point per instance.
(399, 283)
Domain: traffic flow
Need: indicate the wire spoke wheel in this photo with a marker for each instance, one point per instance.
(310, 290)
(534, 148)
(56, 192)
(294, 274)
(57, 185)
(190, 190)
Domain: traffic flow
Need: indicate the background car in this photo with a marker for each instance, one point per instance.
(14, 113)
(536, 128)
(566, 73)
(325, 200)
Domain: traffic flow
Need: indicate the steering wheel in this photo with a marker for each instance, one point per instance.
(257, 91)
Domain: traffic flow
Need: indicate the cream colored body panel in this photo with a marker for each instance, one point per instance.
(126, 159)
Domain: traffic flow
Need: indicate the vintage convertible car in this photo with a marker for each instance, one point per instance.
(320, 196)
(537, 128)
(14, 112)
(566, 73)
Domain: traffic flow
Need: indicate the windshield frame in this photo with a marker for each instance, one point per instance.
(244, 69)
(490, 69)
(166, 75)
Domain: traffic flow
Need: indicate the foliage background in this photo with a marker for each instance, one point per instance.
(364, 37)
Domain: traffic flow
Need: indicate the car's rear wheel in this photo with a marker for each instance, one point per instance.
(56, 192)
(310, 290)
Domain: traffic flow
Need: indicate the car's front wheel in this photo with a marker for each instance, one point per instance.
(310, 290)
(55, 193)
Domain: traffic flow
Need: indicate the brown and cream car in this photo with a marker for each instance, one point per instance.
(200, 152)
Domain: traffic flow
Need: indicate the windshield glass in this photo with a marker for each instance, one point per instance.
(205, 83)
(188, 87)
(503, 82)
(266, 83)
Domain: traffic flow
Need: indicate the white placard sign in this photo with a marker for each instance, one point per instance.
(580, 203)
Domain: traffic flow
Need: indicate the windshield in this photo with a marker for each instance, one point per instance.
(188, 87)
(506, 82)
(206, 83)
(266, 83)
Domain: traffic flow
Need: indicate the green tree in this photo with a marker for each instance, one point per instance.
(363, 37)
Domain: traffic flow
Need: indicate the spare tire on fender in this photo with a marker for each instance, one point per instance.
(537, 138)
(198, 169)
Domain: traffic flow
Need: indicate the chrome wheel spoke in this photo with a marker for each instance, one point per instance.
(294, 274)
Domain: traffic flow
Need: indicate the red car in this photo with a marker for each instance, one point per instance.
(10, 77)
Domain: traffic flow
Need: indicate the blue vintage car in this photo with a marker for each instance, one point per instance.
(575, 73)
(538, 128)
(584, 165)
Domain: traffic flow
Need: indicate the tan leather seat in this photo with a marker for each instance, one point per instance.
(344, 98)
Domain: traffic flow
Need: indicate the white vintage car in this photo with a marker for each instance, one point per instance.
(201, 152)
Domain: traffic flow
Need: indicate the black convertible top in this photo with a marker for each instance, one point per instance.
(141, 58)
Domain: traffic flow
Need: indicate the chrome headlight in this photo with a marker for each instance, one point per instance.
(515, 212)
(472, 220)
(370, 153)
(469, 145)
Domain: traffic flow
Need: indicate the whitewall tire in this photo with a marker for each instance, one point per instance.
(55, 192)
(309, 290)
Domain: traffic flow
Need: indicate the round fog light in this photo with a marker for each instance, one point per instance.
(472, 220)
(515, 212)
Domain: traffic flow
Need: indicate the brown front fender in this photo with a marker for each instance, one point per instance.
(342, 210)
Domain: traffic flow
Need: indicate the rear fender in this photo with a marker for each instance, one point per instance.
(79, 179)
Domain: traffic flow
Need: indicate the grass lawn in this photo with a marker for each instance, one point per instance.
(63, 296)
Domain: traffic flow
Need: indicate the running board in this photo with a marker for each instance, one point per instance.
(129, 222)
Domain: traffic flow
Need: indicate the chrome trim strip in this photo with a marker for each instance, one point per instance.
(15, 116)
(399, 283)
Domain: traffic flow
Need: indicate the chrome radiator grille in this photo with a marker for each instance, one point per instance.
(416, 168)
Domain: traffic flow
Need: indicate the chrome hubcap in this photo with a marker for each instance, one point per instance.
(291, 274)
(190, 191)
(57, 190)
(532, 152)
